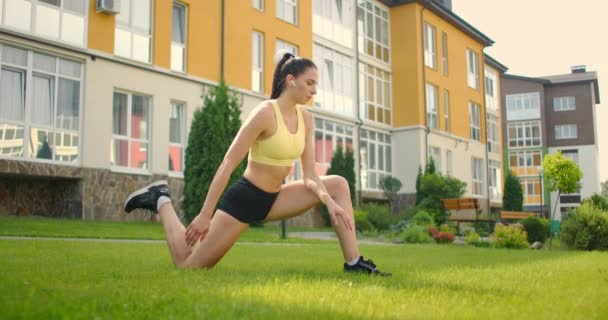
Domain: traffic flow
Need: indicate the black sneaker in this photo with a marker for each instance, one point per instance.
(366, 267)
(147, 197)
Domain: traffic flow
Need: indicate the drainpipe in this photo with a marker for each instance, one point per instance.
(485, 123)
(222, 44)
(426, 125)
(359, 121)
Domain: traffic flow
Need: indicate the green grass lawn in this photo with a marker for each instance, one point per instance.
(51, 279)
(47, 227)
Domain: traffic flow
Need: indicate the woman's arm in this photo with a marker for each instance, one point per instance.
(253, 127)
(312, 180)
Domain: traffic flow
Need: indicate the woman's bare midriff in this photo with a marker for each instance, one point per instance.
(266, 177)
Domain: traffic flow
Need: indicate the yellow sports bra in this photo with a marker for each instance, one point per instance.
(282, 148)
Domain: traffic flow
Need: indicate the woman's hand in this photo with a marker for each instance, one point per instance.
(198, 229)
(338, 215)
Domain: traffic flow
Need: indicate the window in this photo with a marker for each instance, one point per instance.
(288, 10)
(435, 155)
(523, 134)
(51, 131)
(530, 188)
(477, 176)
(473, 69)
(475, 118)
(431, 106)
(372, 23)
(564, 103)
(444, 53)
(178, 37)
(130, 131)
(133, 30)
(53, 19)
(523, 106)
(374, 94)
(282, 45)
(430, 46)
(335, 90)
(493, 138)
(257, 67)
(329, 136)
(565, 131)
(446, 110)
(177, 136)
(258, 4)
(376, 161)
(448, 160)
(494, 179)
(332, 19)
(525, 163)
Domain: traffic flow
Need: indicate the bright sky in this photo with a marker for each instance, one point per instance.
(547, 37)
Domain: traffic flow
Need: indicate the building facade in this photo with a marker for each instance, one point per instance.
(546, 115)
(95, 103)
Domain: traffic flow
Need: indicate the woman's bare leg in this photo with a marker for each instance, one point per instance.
(295, 199)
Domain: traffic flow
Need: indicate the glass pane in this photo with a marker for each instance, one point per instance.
(119, 118)
(14, 56)
(68, 104)
(175, 158)
(387, 117)
(69, 68)
(77, 6)
(141, 16)
(176, 116)
(178, 30)
(372, 184)
(141, 48)
(125, 12)
(389, 160)
(120, 153)
(139, 155)
(12, 99)
(372, 156)
(319, 146)
(11, 140)
(43, 90)
(51, 2)
(41, 143)
(379, 115)
(381, 157)
(66, 147)
(44, 62)
(139, 117)
(329, 147)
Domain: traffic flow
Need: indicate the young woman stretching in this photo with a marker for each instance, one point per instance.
(276, 133)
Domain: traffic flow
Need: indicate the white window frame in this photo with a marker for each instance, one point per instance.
(566, 131)
(257, 71)
(475, 120)
(380, 143)
(526, 189)
(525, 159)
(183, 135)
(20, 147)
(333, 22)
(567, 103)
(258, 4)
(444, 53)
(493, 133)
(287, 5)
(32, 24)
(129, 139)
(134, 31)
(494, 179)
(446, 110)
(335, 90)
(472, 69)
(432, 102)
(430, 46)
(378, 40)
(180, 47)
(477, 184)
(524, 134)
(341, 134)
(284, 45)
(435, 154)
(383, 77)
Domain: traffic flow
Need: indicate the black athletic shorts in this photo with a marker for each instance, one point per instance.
(246, 202)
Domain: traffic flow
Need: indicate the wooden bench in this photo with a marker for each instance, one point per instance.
(515, 215)
(462, 204)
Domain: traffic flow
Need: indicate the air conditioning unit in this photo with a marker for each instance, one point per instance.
(108, 6)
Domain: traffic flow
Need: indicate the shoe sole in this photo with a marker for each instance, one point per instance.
(142, 191)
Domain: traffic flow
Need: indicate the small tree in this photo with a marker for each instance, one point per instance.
(343, 164)
(513, 197)
(562, 175)
(213, 128)
(430, 167)
(390, 186)
(419, 193)
(437, 187)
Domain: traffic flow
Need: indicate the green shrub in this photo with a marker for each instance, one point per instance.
(598, 201)
(536, 228)
(586, 228)
(361, 221)
(471, 237)
(423, 218)
(416, 234)
(483, 228)
(512, 237)
(378, 215)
